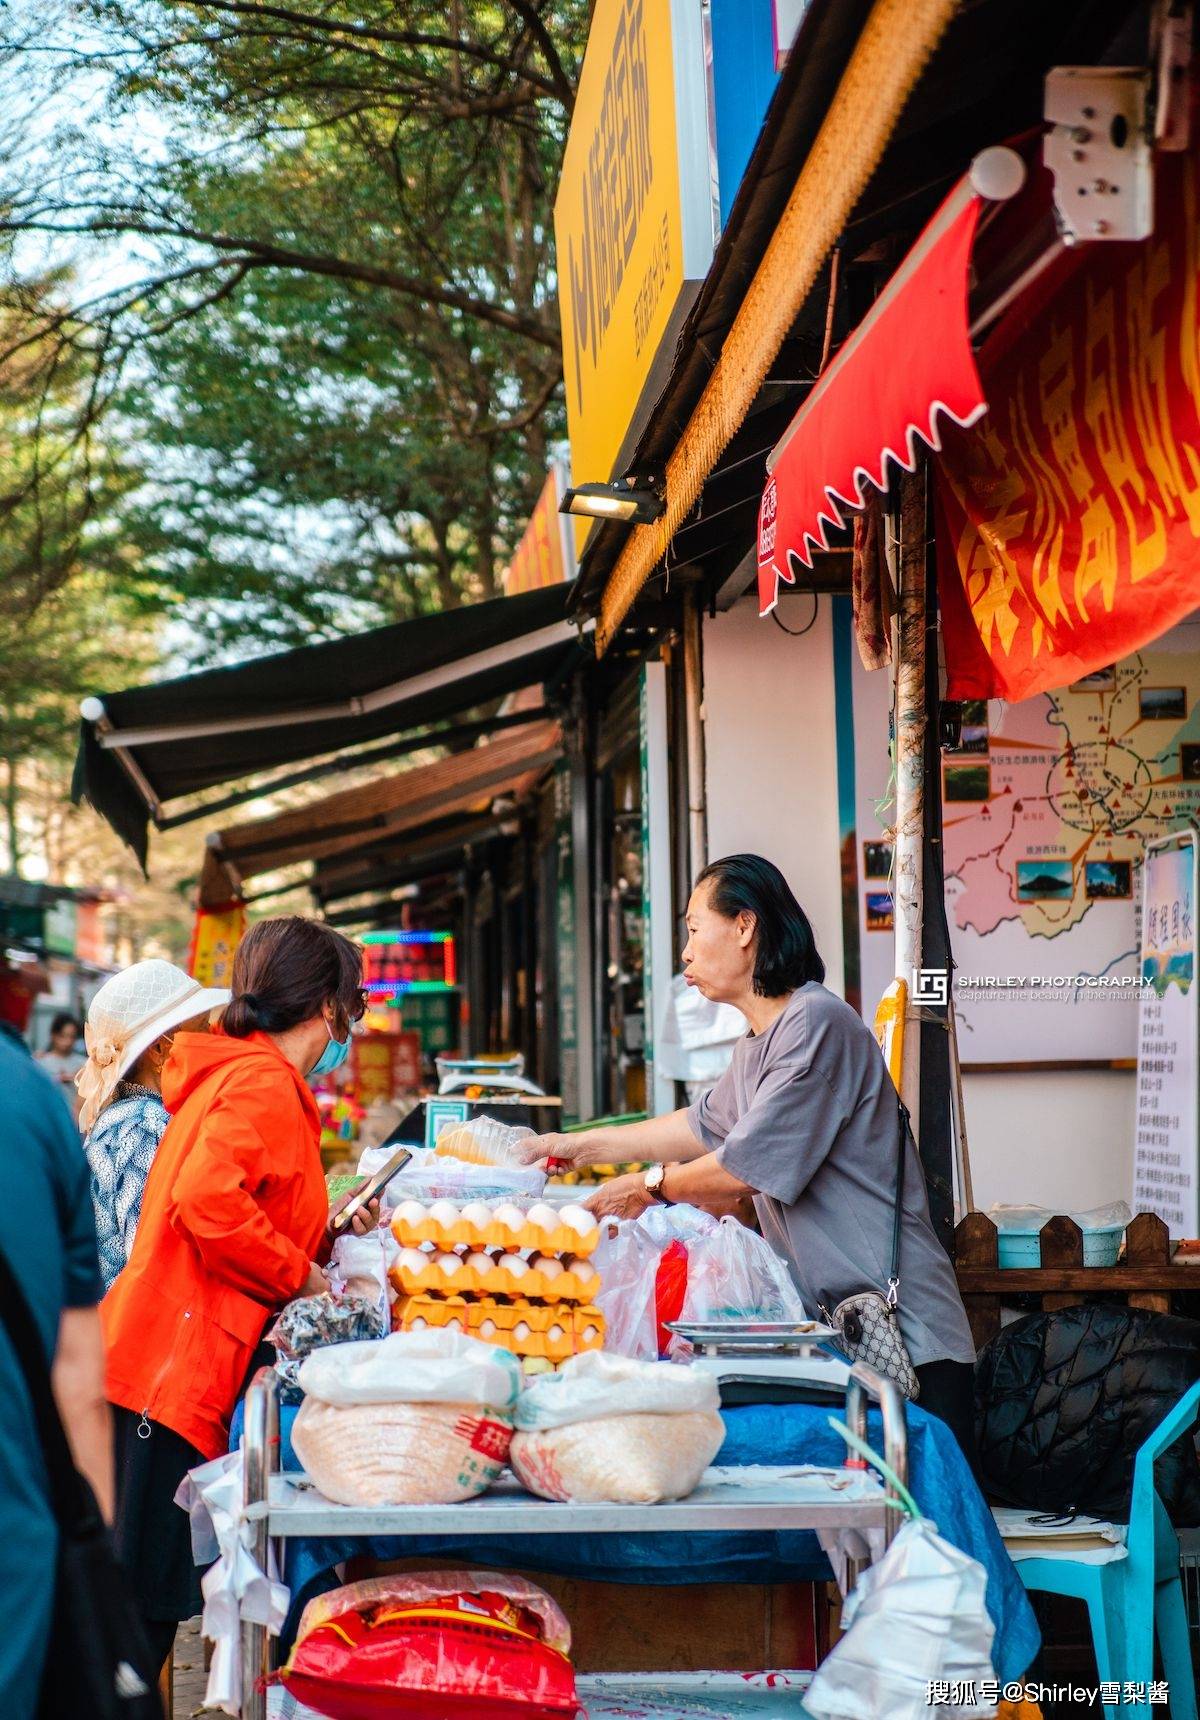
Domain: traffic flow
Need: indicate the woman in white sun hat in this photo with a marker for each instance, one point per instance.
(130, 1026)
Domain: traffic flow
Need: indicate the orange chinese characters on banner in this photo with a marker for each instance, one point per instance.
(1069, 518)
(215, 938)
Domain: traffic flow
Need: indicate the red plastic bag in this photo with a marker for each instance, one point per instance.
(484, 1644)
(670, 1288)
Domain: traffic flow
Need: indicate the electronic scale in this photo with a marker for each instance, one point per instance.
(767, 1361)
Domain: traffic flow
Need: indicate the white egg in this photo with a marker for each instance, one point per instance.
(412, 1260)
(454, 1325)
(443, 1212)
(475, 1212)
(514, 1264)
(579, 1220)
(555, 1334)
(487, 1328)
(410, 1212)
(583, 1269)
(521, 1330)
(480, 1262)
(449, 1263)
(543, 1216)
(510, 1216)
(418, 1324)
(547, 1265)
(590, 1333)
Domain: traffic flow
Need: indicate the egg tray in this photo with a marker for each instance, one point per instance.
(567, 1286)
(551, 1333)
(463, 1232)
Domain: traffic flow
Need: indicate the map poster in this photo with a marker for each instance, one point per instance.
(1165, 1167)
(1047, 807)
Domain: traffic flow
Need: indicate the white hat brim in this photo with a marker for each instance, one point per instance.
(196, 1003)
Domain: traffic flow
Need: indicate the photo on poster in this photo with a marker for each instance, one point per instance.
(1099, 681)
(1044, 880)
(1189, 761)
(1111, 879)
(877, 859)
(967, 782)
(880, 915)
(973, 734)
(1156, 704)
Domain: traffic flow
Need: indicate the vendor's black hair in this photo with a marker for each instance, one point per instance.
(785, 951)
(64, 1018)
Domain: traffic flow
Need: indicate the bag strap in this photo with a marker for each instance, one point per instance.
(893, 1290)
(68, 1494)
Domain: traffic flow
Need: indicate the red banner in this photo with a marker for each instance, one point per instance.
(1069, 518)
(907, 367)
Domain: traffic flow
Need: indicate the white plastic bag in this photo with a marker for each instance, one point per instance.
(605, 1428)
(377, 1454)
(734, 1275)
(434, 1366)
(916, 1617)
(697, 1036)
(594, 1385)
(359, 1266)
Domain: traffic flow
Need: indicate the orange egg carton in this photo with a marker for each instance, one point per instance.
(504, 1227)
(528, 1329)
(416, 1273)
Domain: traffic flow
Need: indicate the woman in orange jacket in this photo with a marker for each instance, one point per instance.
(234, 1224)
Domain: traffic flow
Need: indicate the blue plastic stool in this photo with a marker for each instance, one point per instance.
(1128, 1599)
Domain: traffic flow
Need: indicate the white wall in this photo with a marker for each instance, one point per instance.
(1042, 1138)
(771, 759)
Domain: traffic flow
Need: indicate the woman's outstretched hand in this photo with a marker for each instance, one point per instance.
(536, 1149)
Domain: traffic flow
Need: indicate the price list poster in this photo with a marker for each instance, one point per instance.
(1165, 1170)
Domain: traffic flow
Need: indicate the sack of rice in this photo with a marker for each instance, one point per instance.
(417, 1418)
(607, 1428)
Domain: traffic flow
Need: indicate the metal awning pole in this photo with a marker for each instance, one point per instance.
(906, 557)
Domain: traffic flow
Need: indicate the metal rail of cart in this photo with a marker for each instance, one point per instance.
(770, 1499)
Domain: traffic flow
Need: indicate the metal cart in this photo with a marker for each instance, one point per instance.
(763, 1498)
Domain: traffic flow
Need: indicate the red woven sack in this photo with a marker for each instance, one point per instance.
(478, 1653)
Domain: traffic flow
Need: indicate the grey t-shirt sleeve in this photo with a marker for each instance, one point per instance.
(715, 1112)
(786, 1133)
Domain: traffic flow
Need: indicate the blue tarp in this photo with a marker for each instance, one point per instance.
(939, 1479)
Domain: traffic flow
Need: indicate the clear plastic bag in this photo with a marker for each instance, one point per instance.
(482, 1141)
(311, 1323)
(1034, 1217)
(627, 1256)
(733, 1274)
(916, 1616)
(430, 1176)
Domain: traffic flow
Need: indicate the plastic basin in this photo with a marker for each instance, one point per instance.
(1017, 1248)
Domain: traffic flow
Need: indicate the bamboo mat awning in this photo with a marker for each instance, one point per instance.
(402, 807)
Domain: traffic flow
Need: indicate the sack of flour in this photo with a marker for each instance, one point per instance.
(607, 1428)
(417, 1418)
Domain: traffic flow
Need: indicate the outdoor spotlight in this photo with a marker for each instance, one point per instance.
(634, 500)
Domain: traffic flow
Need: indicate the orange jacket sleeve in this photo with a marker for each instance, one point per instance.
(214, 1202)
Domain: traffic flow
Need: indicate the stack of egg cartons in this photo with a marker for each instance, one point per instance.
(523, 1280)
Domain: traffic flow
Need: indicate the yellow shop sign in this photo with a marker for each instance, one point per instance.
(634, 220)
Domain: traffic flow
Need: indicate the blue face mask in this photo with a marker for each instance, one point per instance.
(333, 1056)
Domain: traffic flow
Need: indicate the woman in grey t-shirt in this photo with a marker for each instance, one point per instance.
(805, 1121)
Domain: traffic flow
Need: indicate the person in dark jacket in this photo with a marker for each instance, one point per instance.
(49, 1241)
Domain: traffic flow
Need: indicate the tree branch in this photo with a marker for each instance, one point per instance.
(535, 24)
